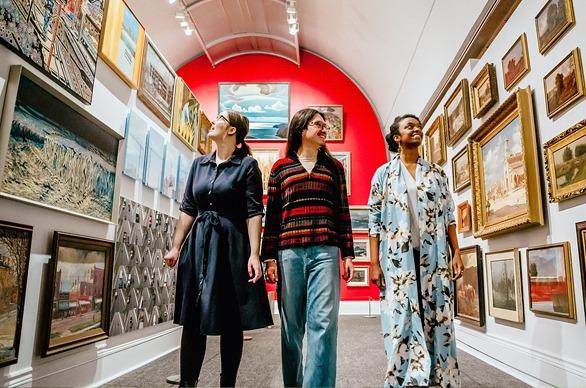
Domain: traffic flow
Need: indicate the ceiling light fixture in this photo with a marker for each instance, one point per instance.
(172, 1)
(179, 15)
(292, 17)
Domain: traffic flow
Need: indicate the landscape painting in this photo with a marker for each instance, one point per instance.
(564, 84)
(461, 169)
(470, 288)
(361, 250)
(504, 285)
(457, 113)
(515, 62)
(136, 136)
(359, 218)
(555, 18)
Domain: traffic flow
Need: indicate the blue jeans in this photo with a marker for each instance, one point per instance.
(309, 292)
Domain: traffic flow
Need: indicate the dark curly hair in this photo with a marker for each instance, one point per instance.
(394, 130)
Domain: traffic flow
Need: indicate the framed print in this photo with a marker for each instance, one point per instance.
(182, 175)
(334, 115)
(457, 113)
(60, 40)
(506, 192)
(122, 43)
(154, 159)
(15, 248)
(581, 235)
(515, 63)
(77, 303)
(169, 176)
(361, 250)
(461, 169)
(359, 219)
(484, 90)
(265, 104)
(185, 114)
(464, 217)
(202, 137)
(469, 288)
(436, 142)
(344, 158)
(551, 287)
(136, 137)
(361, 278)
(54, 153)
(157, 84)
(565, 163)
(564, 84)
(265, 157)
(505, 295)
(554, 19)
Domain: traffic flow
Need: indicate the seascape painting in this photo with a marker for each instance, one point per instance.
(359, 218)
(136, 135)
(154, 159)
(265, 104)
(182, 175)
(157, 84)
(169, 178)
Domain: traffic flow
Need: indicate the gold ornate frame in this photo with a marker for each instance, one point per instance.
(461, 88)
(465, 150)
(570, 21)
(191, 140)
(464, 207)
(487, 74)
(437, 125)
(526, 63)
(575, 54)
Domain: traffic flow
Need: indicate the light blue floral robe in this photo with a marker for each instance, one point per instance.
(415, 356)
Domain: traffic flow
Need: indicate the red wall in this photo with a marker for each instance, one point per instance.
(317, 82)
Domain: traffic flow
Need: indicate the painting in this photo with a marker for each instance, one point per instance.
(136, 137)
(565, 163)
(334, 115)
(551, 287)
(515, 63)
(564, 85)
(361, 250)
(469, 300)
(203, 142)
(359, 218)
(555, 18)
(169, 176)
(54, 153)
(15, 248)
(122, 43)
(344, 158)
(503, 277)
(436, 142)
(464, 217)
(581, 238)
(266, 158)
(461, 169)
(484, 90)
(265, 104)
(59, 39)
(186, 114)
(154, 159)
(361, 278)
(77, 302)
(457, 113)
(157, 84)
(506, 192)
(182, 175)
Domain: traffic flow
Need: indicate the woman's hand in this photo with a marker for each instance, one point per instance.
(377, 276)
(254, 270)
(272, 275)
(348, 273)
(457, 265)
(171, 257)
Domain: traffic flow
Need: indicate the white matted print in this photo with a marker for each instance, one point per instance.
(361, 250)
(361, 277)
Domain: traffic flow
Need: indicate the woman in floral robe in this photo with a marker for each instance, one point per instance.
(412, 226)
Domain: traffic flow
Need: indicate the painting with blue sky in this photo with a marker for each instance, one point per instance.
(136, 135)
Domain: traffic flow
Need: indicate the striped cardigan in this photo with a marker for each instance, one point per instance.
(307, 209)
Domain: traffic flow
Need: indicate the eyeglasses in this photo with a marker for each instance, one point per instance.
(221, 116)
(319, 124)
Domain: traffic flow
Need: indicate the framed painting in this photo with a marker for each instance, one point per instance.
(185, 163)
(154, 159)
(564, 85)
(457, 113)
(505, 294)
(555, 18)
(202, 138)
(135, 146)
(265, 157)
(15, 249)
(515, 62)
(361, 278)
(506, 192)
(436, 142)
(186, 115)
(361, 250)
(565, 163)
(581, 238)
(265, 104)
(359, 219)
(157, 84)
(123, 41)
(59, 39)
(461, 169)
(54, 153)
(484, 90)
(77, 302)
(334, 115)
(469, 288)
(344, 158)
(169, 176)
(551, 286)
(464, 217)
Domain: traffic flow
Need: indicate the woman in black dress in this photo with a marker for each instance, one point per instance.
(220, 289)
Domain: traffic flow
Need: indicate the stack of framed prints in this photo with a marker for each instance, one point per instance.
(186, 115)
(505, 294)
(334, 115)
(469, 300)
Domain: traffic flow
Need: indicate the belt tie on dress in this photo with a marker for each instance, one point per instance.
(211, 221)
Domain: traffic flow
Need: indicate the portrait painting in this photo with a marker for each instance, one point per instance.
(515, 62)
(359, 219)
(136, 137)
(470, 288)
(361, 278)
(505, 297)
(555, 18)
(564, 84)
(361, 250)
(186, 115)
(484, 90)
(464, 217)
(344, 158)
(436, 143)
(265, 158)
(154, 159)
(461, 169)
(457, 113)
(334, 115)
(169, 176)
(265, 104)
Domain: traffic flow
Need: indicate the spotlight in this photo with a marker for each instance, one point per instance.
(294, 28)
(179, 15)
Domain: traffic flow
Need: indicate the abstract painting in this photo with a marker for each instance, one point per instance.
(505, 295)
(554, 19)
(334, 115)
(564, 84)
(515, 62)
(265, 158)
(470, 289)
(154, 159)
(136, 137)
(186, 114)
(169, 176)
(344, 158)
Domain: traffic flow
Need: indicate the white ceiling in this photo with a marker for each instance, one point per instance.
(396, 51)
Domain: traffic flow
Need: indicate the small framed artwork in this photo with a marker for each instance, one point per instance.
(136, 138)
(361, 250)
(484, 90)
(15, 248)
(154, 159)
(185, 163)
(169, 175)
(461, 169)
(186, 115)
(334, 115)
(361, 277)
(469, 300)
(359, 218)
(564, 84)
(77, 301)
(457, 113)
(551, 286)
(505, 295)
(436, 143)
(464, 217)
(344, 158)
(265, 157)
(555, 18)
(122, 42)
(581, 235)
(202, 138)
(565, 163)
(515, 63)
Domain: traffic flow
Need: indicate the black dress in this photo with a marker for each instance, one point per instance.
(212, 281)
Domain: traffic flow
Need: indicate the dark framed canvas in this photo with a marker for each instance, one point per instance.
(15, 249)
(564, 85)
(503, 278)
(457, 113)
(334, 115)
(484, 90)
(555, 18)
(469, 288)
(515, 62)
(581, 236)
